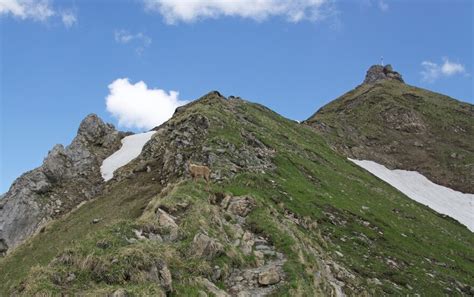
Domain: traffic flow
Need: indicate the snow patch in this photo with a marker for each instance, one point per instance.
(457, 205)
(131, 147)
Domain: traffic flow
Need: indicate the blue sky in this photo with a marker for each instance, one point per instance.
(60, 60)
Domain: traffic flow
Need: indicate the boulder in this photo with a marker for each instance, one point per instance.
(160, 273)
(269, 277)
(241, 206)
(206, 247)
(167, 222)
(211, 287)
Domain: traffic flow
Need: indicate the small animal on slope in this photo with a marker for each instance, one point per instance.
(198, 171)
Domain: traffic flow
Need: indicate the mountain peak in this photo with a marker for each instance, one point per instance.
(92, 127)
(379, 72)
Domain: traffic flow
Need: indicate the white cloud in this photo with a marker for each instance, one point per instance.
(27, 9)
(433, 71)
(137, 106)
(259, 10)
(449, 68)
(141, 40)
(383, 6)
(36, 10)
(69, 18)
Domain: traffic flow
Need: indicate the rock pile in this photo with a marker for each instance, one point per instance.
(267, 273)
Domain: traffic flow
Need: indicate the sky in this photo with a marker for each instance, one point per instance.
(133, 62)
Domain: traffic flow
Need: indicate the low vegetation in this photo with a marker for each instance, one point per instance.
(335, 226)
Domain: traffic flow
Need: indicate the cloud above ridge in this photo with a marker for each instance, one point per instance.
(137, 106)
(433, 71)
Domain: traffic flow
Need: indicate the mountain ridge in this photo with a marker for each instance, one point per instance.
(284, 215)
(405, 127)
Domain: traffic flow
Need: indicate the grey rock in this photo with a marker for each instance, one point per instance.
(241, 206)
(167, 224)
(71, 277)
(119, 293)
(160, 273)
(379, 72)
(269, 277)
(206, 247)
(216, 273)
(70, 173)
(211, 287)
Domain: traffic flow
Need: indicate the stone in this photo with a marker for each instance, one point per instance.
(119, 293)
(139, 234)
(241, 206)
(166, 280)
(71, 277)
(160, 273)
(225, 201)
(216, 273)
(378, 72)
(269, 277)
(168, 223)
(155, 237)
(247, 243)
(211, 287)
(206, 247)
(262, 247)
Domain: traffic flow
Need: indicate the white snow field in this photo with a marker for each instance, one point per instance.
(131, 147)
(457, 205)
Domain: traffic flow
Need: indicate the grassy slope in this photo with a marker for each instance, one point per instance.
(358, 124)
(357, 215)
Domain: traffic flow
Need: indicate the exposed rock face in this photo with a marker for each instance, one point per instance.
(161, 274)
(179, 141)
(206, 247)
(67, 177)
(167, 224)
(241, 206)
(379, 72)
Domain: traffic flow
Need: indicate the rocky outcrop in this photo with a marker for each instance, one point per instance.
(206, 247)
(68, 176)
(182, 140)
(161, 274)
(379, 72)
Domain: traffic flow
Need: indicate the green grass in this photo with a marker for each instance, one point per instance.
(352, 213)
(359, 125)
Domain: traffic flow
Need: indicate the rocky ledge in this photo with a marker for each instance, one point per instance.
(68, 176)
(379, 72)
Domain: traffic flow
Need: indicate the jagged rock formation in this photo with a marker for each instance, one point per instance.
(404, 127)
(378, 72)
(67, 177)
(177, 142)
